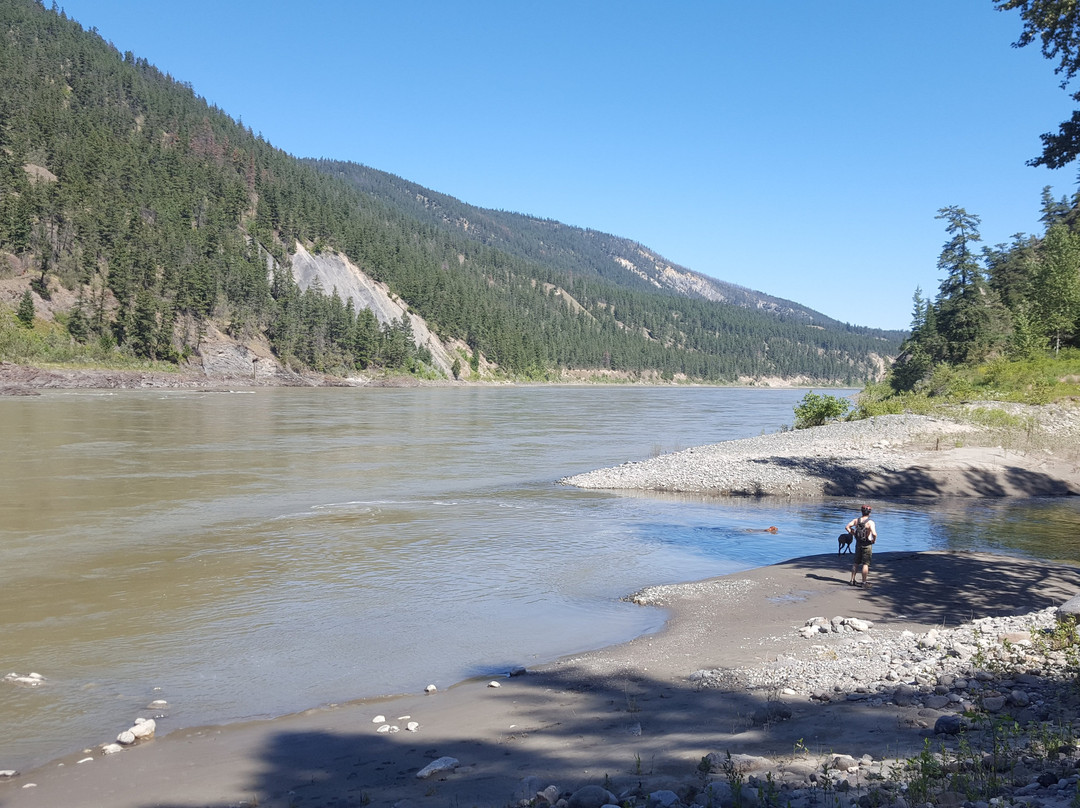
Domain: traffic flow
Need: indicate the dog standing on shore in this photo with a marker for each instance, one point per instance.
(844, 540)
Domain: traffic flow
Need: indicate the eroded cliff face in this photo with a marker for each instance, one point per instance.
(334, 271)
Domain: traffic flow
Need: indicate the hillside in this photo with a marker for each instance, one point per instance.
(143, 218)
(570, 249)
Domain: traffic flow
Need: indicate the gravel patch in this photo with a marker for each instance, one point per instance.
(798, 462)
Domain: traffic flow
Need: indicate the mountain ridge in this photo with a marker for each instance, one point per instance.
(495, 226)
(161, 216)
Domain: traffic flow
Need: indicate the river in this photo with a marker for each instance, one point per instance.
(255, 553)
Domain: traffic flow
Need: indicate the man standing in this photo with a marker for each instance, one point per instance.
(865, 532)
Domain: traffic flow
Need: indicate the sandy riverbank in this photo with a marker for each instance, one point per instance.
(627, 716)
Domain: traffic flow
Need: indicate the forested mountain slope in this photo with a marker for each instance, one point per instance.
(572, 249)
(164, 215)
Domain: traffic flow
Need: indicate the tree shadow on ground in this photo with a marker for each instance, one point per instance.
(955, 587)
(917, 482)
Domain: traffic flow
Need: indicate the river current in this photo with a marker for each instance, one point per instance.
(255, 553)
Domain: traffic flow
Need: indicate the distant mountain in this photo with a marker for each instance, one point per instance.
(571, 249)
(151, 218)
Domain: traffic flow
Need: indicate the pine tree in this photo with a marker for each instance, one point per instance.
(25, 312)
(963, 320)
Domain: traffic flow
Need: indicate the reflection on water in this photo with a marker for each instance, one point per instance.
(259, 553)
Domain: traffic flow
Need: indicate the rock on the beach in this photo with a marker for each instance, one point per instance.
(550, 795)
(1069, 610)
(949, 724)
(111, 748)
(157, 704)
(663, 799)
(127, 737)
(591, 797)
(430, 689)
(412, 726)
(494, 684)
(144, 728)
(8, 773)
(443, 764)
(379, 719)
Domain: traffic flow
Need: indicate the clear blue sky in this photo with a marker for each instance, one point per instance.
(798, 148)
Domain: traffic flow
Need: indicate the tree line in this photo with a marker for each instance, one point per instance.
(163, 213)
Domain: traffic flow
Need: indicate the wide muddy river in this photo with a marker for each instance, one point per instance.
(251, 554)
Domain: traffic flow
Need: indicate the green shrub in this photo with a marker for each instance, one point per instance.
(815, 410)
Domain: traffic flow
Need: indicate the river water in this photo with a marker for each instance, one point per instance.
(251, 554)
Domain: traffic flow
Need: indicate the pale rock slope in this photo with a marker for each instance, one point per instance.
(334, 271)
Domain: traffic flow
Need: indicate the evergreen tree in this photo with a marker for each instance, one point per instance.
(963, 315)
(1056, 293)
(25, 312)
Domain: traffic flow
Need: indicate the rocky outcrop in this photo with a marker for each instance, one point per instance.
(331, 270)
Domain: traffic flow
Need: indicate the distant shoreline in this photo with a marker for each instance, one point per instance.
(17, 379)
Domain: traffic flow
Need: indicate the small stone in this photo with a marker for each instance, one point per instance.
(994, 704)
(8, 773)
(591, 797)
(430, 689)
(127, 737)
(30, 785)
(383, 728)
(86, 760)
(379, 719)
(112, 748)
(443, 764)
(950, 724)
(550, 795)
(663, 799)
(843, 762)
(412, 726)
(144, 728)
(494, 684)
(157, 704)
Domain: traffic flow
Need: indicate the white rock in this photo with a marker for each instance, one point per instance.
(412, 726)
(30, 680)
(379, 719)
(430, 689)
(127, 737)
(394, 728)
(144, 728)
(404, 717)
(8, 773)
(30, 785)
(494, 684)
(383, 728)
(87, 760)
(111, 748)
(157, 704)
(443, 764)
